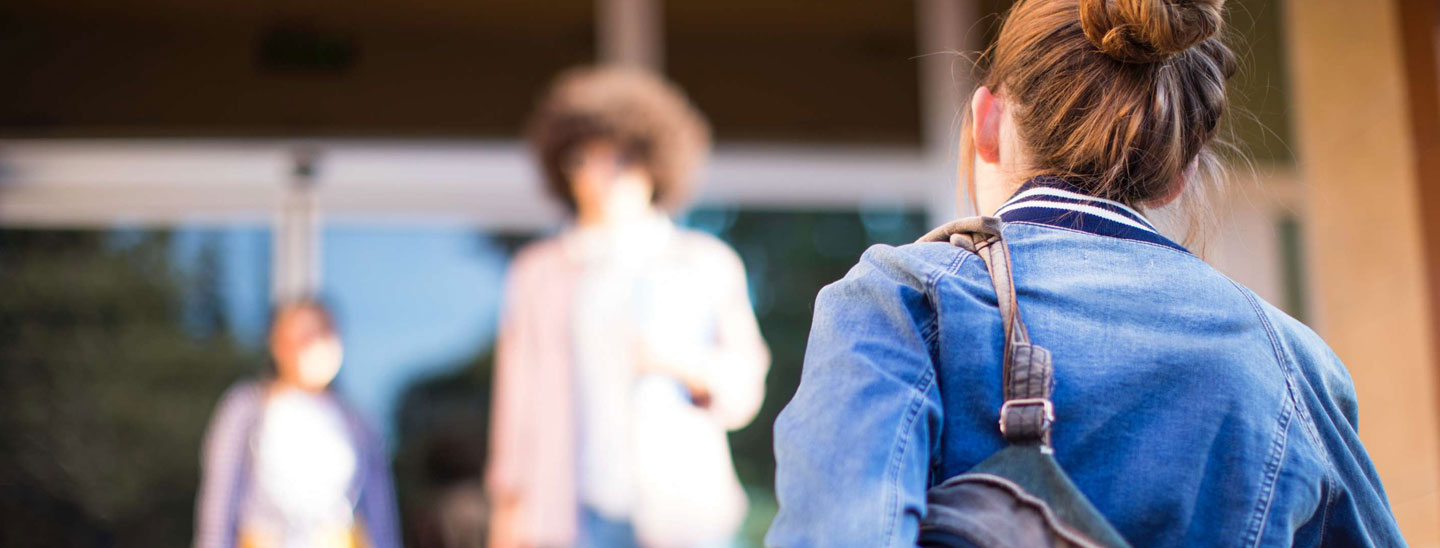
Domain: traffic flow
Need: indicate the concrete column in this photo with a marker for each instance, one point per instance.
(1372, 278)
(295, 240)
(948, 42)
(630, 32)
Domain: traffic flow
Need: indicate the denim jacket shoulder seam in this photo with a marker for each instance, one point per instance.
(1306, 420)
(897, 462)
(958, 261)
(1287, 368)
(1292, 406)
(932, 279)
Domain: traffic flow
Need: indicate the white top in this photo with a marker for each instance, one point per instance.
(304, 471)
(614, 263)
(630, 291)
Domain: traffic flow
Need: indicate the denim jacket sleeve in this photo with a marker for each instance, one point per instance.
(853, 447)
(1356, 510)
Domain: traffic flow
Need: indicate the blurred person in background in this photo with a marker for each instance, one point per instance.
(455, 511)
(628, 346)
(1189, 411)
(286, 463)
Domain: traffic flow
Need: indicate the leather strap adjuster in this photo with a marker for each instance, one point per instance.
(1047, 416)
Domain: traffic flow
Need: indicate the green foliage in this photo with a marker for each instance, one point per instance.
(110, 364)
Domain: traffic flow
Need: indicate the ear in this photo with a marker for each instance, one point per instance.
(985, 113)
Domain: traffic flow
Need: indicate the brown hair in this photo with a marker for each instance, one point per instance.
(647, 118)
(1117, 96)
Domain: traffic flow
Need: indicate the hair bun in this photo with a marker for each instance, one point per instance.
(1149, 31)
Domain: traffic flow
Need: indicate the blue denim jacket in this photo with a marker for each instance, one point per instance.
(1191, 412)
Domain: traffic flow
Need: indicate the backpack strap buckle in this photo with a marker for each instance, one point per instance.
(1027, 419)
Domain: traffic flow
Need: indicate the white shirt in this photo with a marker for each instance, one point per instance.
(615, 260)
(304, 471)
(628, 293)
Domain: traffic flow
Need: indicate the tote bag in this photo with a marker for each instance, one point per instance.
(687, 491)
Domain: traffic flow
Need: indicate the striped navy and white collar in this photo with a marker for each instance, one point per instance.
(1053, 201)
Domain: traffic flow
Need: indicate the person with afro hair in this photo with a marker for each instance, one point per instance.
(627, 345)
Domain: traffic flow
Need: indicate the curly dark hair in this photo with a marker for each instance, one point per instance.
(647, 118)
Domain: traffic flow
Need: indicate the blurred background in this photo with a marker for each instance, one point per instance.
(168, 166)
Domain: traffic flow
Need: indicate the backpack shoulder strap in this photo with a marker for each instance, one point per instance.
(1028, 414)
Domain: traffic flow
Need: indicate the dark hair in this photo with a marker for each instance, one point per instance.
(1118, 96)
(648, 119)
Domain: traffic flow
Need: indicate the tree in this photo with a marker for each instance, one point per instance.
(108, 375)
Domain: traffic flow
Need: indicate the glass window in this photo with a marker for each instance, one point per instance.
(116, 344)
(411, 303)
(789, 255)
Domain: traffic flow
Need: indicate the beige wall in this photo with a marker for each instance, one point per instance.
(1366, 247)
(1249, 249)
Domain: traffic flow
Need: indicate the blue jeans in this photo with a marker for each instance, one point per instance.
(597, 531)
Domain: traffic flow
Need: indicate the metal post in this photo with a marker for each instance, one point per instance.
(296, 238)
(630, 33)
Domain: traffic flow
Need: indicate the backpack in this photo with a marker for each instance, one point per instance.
(1019, 496)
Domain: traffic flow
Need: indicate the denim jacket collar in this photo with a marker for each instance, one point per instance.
(1053, 201)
